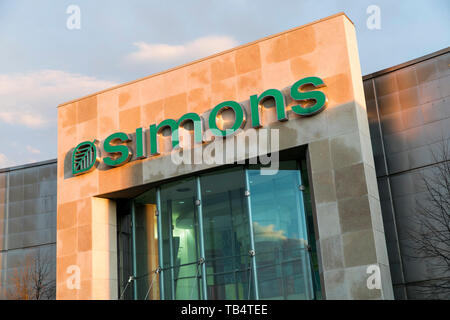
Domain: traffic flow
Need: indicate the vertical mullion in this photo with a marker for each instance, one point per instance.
(172, 267)
(160, 244)
(302, 221)
(252, 239)
(201, 237)
(133, 237)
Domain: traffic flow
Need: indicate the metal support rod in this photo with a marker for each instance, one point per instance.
(160, 244)
(151, 284)
(252, 239)
(202, 241)
(133, 239)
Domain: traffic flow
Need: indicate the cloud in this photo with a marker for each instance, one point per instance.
(30, 99)
(268, 232)
(5, 162)
(198, 48)
(32, 150)
(25, 118)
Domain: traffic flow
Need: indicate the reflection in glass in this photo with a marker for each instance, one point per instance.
(146, 246)
(226, 228)
(213, 213)
(180, 241)
(124, 243)
(280, 232)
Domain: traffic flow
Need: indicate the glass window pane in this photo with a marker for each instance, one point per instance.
(146, 246)
(125, 257)
(226, 229)
(280, 232)
(180, 240)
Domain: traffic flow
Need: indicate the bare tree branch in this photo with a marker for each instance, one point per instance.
(430, 233)
(34, 280)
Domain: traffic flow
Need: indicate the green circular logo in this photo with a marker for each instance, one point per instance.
(84, 158)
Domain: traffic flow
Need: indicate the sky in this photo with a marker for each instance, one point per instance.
(45, 61)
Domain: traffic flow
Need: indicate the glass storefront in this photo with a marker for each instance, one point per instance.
(231, 234)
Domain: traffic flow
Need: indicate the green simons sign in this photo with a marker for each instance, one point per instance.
(85, 156)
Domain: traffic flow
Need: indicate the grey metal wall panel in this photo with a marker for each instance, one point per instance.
(395, 261)
(27, 219)
(411, 106)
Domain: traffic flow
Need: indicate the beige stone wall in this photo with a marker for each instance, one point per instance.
(350, 232)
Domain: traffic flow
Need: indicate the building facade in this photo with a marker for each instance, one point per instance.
(270, 171)
(27, 228)
(247, 236)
